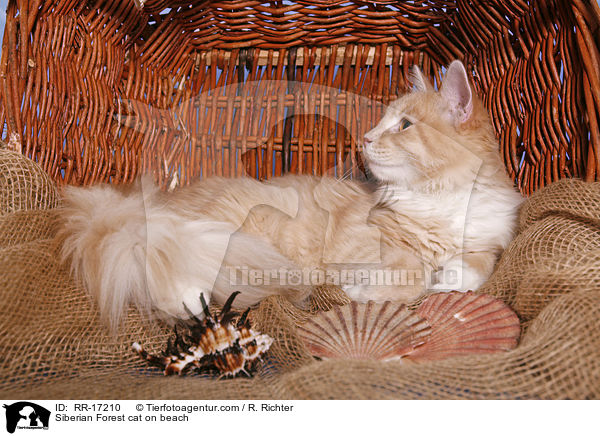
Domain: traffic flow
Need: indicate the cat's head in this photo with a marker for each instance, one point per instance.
(430, 138)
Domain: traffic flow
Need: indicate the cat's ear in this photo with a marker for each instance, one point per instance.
(420, 82)
(457, 92)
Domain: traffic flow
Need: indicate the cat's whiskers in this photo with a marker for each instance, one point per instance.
(345, 176)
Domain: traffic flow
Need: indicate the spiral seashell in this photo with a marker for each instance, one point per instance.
(370, 331)
(466, 323)
(212, 343)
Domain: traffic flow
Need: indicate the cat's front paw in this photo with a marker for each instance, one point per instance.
(355, 292)
(445, 287)
(382, 293)
(456, 278)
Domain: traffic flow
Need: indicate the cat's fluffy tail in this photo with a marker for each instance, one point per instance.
(131, 248)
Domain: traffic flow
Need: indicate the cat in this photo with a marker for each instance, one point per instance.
(442, 211)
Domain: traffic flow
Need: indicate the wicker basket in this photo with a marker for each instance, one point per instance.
(102, 90)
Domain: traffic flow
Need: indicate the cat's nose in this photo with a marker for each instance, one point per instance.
(366, 141)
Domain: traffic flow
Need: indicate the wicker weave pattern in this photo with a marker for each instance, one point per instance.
(112, 88)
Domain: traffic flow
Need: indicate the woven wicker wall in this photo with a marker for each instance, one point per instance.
(101, 90)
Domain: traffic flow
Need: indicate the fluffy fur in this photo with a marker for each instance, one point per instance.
(443, 211)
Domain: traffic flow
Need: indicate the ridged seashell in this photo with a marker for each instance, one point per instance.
(370, 331)
(466, 323)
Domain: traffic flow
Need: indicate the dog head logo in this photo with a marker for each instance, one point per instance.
(26, 415)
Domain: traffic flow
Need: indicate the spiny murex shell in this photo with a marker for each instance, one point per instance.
(213, 342)
(370, 331)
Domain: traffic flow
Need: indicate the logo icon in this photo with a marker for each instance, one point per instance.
(26, 415)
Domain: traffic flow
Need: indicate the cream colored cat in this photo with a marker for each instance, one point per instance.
(443, 211)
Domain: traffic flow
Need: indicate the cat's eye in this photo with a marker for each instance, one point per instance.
(405, 124)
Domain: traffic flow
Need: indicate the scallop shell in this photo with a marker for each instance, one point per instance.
(466, 323)
(370, 331)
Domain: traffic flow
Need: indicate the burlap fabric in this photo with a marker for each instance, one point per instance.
(24, 185)
(53, 346)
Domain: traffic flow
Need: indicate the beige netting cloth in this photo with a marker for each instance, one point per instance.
(52, 345)
(23, 184)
